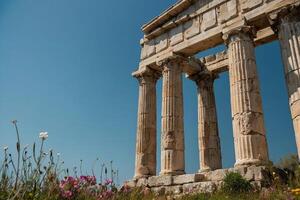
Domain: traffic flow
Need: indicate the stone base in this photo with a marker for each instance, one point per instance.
(204, 182)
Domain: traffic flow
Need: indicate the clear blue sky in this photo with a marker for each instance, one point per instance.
(65, 67)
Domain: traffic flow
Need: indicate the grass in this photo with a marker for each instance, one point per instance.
(36, 174)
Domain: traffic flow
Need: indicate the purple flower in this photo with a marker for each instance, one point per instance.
(108, 182)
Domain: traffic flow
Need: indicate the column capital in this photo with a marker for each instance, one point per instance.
(204, 77)
(189, 65)
(285, 15)
(239, 33)
(146, 73)
(171, 60)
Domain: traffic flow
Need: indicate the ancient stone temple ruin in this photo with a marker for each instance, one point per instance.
(169, 44)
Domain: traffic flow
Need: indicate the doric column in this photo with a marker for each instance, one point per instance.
(172, 136)
(246, 105)
(208, 135)
(145, 164)
(288, 28)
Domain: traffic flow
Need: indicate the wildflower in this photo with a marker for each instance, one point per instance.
(14, 121)
(5, 148)
(108, 181)
(58, 154)
(67, 194)
(69, 186)
(43, 135)
(88, 180)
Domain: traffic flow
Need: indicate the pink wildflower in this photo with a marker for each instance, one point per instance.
(108, 182)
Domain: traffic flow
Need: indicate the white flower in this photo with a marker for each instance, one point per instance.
(43, 135)
(58, 154)
(5, 148)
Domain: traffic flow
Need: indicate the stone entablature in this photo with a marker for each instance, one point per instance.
(201, 26)
(205, 24)
(216, 63)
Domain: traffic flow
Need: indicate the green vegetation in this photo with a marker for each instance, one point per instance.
(234, 183)
(36, 174)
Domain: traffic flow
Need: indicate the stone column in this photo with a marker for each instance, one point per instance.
(246, 105)
(208, 135)
(288, 28)
(145, 164)
(172, 136)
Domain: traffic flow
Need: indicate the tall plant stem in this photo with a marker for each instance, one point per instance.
(19, 154)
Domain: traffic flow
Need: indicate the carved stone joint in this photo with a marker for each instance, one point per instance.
(205, 77)
(171, 61)
(189, 65)
(169, 141)
(284, 15)
(240, 33)
(146, 74)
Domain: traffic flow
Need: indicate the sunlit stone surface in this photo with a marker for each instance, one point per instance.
(170, 41)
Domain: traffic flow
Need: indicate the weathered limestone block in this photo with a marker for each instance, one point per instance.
(227, 11)
(141, 182)
(256, 173)
(201, 187)
(172, 136)
(131, 183)
(216, 175)
(242, 170)
(162, 42)
(176, 35)
(156, 181)
(188, 12)
(158, 191)
(215, 58)
(248, 122)
(289, 36)
(247, 5)
(145, 164)
(149, 48)
(221, 55)
(206, 182)
(209, 19)
(192, 27)
(173, 190)
(187, 178)
(210, 58)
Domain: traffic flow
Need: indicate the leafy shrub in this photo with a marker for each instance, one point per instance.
(234, 183)
(289, 162)
(287, 171)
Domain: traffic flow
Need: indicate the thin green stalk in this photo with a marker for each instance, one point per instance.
(19, 154)
(111, 171)
(101, 175)
(93, 166)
